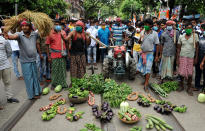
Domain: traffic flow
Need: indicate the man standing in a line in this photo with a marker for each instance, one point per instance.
(118, 32)
(91, 50)
(5, 70)
(104, 35)
(148, 39)
(28, 53)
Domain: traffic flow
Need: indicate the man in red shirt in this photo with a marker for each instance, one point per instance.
(56, 51)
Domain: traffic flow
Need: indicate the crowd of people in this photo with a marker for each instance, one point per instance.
(165, 48)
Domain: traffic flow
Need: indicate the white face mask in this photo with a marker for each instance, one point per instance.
(138, 30)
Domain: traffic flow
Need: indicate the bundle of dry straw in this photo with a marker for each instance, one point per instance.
(41, 21)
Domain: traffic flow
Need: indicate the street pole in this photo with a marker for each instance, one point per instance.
(16, 7)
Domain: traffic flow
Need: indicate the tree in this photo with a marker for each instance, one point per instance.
(50, 7)
(128, 7)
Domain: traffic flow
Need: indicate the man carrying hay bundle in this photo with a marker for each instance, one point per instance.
(27, 39)
(27, 43)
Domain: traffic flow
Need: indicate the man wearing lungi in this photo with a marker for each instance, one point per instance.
(148, 39)
(27, 39)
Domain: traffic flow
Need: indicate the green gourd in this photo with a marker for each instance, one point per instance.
(46, 91)
(58, 88)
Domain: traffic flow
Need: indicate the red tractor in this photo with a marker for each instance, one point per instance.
(119, 62)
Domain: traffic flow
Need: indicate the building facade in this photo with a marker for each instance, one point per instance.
(76, 11)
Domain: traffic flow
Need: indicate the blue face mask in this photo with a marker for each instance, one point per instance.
(199, 25)
(155, 28)
(58, 28)
(169, 28)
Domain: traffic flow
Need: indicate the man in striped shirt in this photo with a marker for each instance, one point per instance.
(5, 71)
(118, 32)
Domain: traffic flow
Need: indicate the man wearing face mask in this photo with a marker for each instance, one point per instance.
(91, 50)
(148, 40)
(118, 32)
(199, 72)
(187, 56)
(136, 47)
(168, 44)
(103, 35)
(55, 43)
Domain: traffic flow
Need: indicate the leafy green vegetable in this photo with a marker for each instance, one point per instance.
(136, 128)
(91, 127)
(114, 93)
(169, 86)
(158, 90)
(77, 92)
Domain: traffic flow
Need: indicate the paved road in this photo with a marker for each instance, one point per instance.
(31, 121)
(19, 92)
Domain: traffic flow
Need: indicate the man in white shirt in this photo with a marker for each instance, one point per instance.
(15, 57)
(91, 50)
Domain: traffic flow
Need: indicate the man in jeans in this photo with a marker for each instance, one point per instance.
(15, 57)
(199, 72)
(104, 34)
(5, 69)
(44, 64)
(92, 47)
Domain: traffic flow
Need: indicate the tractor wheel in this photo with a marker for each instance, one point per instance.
(105, 68)
(132, 69)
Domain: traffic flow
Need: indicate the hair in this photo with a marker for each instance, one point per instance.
(148, 21)
(163, 21)
(141, 24)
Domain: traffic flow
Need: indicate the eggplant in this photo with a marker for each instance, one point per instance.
(75, 118)
(71, 105)
(159, 109)
(155, 107)
(109, 110)
(95, 113)
(94, 110)
(111, 114)
(82, 89)
(74, 96)
(108, 118)
(95, 106)
(98, 115)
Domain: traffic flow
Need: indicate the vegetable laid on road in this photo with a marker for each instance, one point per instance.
(158, 123)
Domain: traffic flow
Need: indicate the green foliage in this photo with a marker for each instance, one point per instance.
(50, 7)
(130, 6)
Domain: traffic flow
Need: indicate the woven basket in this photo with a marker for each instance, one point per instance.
(78, 100)
(129, 122)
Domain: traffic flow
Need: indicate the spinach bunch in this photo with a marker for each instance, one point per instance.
(114, 93)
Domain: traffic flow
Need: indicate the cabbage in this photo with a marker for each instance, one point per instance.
(124, 106)
(58, 88)
(46, 91)
(201, 97)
